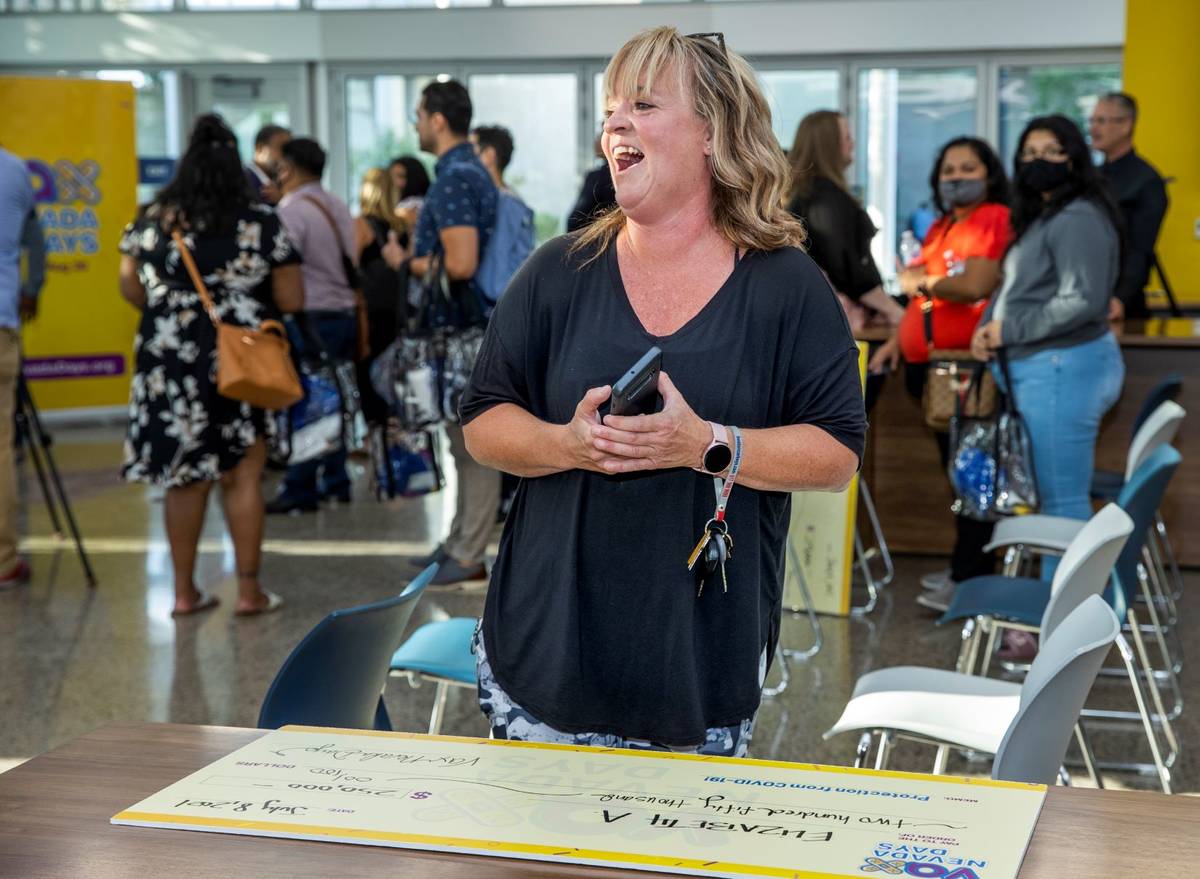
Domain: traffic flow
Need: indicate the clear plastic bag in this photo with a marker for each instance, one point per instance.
(973, 467)
(991, 462)
(407, 376)
(1016, 483)
(316, 421)
(404, 463)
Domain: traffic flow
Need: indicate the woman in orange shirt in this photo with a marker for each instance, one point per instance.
(958, 269)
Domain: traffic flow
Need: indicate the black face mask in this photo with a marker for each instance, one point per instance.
(1044, 175)
(960, 193)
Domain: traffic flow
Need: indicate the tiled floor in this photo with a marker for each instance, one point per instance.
(73, 658)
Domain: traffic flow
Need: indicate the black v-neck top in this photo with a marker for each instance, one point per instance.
(592, 621)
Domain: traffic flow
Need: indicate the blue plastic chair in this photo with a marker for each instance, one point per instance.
(439, 652)
(1106, 484)
(336, 675)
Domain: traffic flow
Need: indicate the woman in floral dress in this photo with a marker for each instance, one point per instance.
(182, 433)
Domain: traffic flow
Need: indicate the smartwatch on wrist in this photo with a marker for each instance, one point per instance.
(718, 455)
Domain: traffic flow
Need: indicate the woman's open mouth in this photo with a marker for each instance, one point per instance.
(626, 157)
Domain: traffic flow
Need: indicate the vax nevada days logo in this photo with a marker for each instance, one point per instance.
(58, 191)
(890, 859)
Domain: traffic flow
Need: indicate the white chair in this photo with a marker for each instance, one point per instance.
(1027, 727)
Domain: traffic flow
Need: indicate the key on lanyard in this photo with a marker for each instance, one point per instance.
(718, 549)
(715, 546)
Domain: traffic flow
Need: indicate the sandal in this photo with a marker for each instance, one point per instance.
(274, 602)
(206, 601)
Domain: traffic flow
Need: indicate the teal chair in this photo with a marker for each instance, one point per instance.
(439, 652)
(336, 675)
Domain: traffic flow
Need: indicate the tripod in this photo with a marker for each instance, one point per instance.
(33, 434)
(1166, 285)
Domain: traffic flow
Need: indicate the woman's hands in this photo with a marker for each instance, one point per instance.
(986, 340)
(910, 280)
(393, 254)
(886, 357)
(674, 437)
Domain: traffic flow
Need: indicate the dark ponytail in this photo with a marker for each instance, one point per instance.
(210, 185)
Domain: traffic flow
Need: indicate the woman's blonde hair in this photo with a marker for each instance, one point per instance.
(749, 171)
(377, 198)
(817, 152)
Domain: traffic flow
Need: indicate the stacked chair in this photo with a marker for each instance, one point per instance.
(1122, 553)
(1137, 581)
(1026, 726)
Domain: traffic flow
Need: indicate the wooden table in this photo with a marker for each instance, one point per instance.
(913, 495)
(54, 813)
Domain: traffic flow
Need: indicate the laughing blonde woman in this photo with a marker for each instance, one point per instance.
(595, 630)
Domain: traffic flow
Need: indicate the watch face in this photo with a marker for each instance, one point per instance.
(717, 458)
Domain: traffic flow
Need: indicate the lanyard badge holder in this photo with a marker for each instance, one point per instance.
(715, 546)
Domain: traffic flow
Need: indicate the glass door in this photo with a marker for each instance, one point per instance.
(379, 109)
(250, 98)
(904, 115)
(541, 110)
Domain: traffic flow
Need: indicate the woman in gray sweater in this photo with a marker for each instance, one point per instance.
(1051, 314)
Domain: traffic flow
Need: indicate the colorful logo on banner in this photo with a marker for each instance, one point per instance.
(932, 862)
(67, 194)
(77, 140)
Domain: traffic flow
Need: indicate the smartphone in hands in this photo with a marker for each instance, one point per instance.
(636, 392)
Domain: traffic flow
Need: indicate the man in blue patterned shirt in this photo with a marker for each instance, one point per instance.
(456, 221)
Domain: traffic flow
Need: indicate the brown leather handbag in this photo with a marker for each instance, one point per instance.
(955, 378)
(253, 366)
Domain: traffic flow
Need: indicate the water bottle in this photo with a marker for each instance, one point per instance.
(910, 248)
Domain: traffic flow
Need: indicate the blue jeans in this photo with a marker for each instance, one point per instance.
(1062, 393)
(338, 332)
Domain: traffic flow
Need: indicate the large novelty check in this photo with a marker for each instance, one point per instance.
(642, 810)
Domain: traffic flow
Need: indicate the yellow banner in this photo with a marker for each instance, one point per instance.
(822, 535)
(77, 139)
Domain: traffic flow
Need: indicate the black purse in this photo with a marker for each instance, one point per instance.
(437, 305)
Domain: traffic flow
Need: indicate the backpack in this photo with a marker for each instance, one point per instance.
(509, 246)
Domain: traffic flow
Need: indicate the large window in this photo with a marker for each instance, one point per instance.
(793, 94)
(233, 5)
(379, 111)
(1033, 90)
(904, 116)
(396, 4)
(542, 112)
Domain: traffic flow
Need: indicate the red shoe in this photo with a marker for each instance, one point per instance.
(18, 575)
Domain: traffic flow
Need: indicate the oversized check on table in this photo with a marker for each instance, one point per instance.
(708, 816)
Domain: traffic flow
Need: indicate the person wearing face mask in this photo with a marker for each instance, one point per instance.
(839, 230)
(958, 269)
(1051, 314)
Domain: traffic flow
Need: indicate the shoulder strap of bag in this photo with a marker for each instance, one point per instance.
(197, 280)
(1009, 397)
(316, 202)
